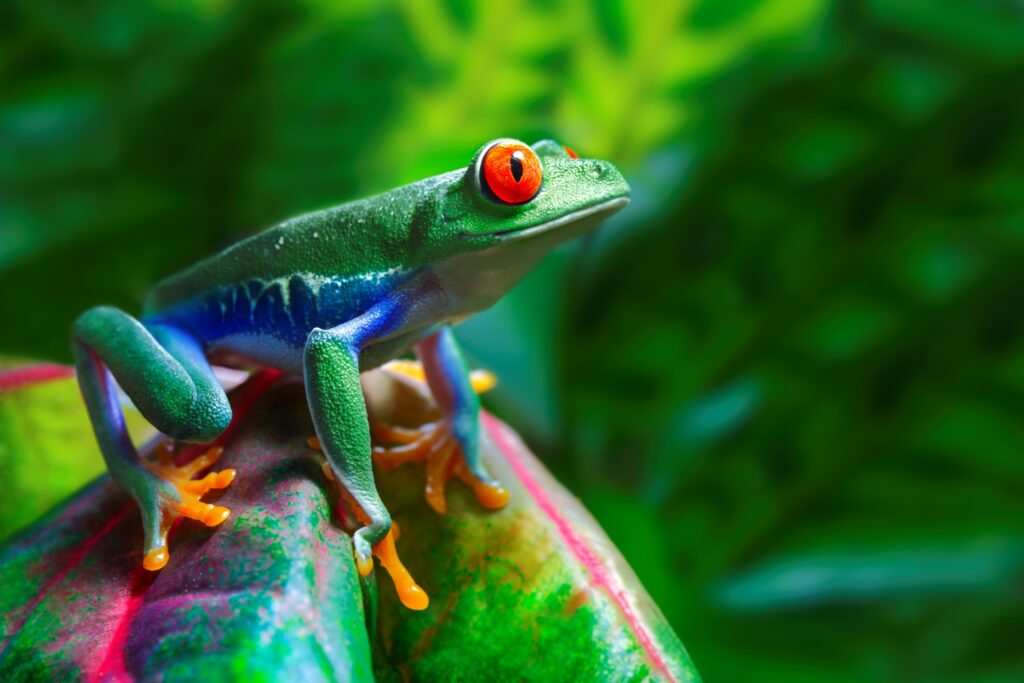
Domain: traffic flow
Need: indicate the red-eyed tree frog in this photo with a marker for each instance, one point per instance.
(325, 296)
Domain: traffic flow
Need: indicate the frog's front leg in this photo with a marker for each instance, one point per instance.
(336, 403)
(166, 375)
(451, 446)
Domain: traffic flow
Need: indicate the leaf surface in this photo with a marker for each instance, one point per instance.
(535, 589)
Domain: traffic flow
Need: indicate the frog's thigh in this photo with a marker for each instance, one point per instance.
(209, 412)
(167, 384)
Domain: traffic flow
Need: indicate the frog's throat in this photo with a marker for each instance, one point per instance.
(475, 280)
(595, 212)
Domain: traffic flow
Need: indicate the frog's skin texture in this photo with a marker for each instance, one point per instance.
(327, 295)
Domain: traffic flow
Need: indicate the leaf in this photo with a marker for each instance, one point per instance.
(273, 593)
(47, 450)
(876, 572)
(539, 577)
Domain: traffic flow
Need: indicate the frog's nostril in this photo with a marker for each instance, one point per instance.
(597, 169)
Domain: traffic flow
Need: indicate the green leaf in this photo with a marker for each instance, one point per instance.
(273, 593)
(876, 572)
(47, 449)
(513, 587)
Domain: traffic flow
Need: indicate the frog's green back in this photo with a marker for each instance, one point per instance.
(371, 236)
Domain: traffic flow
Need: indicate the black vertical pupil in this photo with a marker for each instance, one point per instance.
(517, 166)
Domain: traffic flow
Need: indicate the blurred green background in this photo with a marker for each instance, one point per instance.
(789, 380)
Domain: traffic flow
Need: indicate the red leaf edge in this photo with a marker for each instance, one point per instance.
(36, 373)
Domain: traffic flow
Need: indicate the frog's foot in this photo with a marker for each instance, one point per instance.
(189, 492)
(409, 592)
(435, 445)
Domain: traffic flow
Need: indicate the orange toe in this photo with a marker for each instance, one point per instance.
(224, 478)
(156, 559)
(216, 515)
(409, 592)
(491, 496)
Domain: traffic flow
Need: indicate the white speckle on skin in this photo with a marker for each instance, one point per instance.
(316, 235)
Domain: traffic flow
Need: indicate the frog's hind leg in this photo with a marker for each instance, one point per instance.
(449, 447)
(164, 372)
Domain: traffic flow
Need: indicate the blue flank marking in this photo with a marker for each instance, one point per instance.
(255, 308)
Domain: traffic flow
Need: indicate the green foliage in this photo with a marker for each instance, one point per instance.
(820, 386)
(788, 380)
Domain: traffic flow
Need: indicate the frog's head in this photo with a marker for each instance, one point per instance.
(512, 192)
(512, 205)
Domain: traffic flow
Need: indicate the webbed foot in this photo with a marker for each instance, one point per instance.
(435, 445)
(176, 495)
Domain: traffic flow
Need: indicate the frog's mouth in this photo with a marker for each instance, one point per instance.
(586, 217)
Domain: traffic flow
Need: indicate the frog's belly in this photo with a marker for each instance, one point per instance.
(277, 353)
(262, 349)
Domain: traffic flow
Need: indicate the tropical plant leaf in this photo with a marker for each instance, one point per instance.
(538, 578)
(46, 446)
(273, 593)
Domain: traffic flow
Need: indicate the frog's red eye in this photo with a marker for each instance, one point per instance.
(571, 152)
(512, 172)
